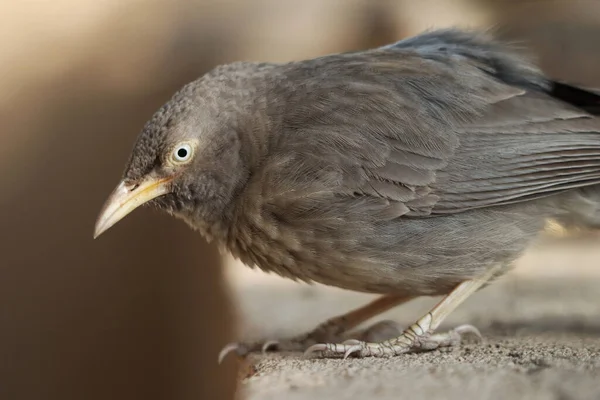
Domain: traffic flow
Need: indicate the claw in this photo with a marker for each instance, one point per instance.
(314, 348)
(352, 349)
(269, 344)
(468, 329)
(226, 350)
(348, 347)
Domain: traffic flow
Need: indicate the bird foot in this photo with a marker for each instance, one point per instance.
(331, 331)
(412, 339)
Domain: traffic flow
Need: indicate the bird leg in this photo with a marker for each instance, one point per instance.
(332, 330)
(420, 335)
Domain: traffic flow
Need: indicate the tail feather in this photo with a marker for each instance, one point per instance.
(585, 99)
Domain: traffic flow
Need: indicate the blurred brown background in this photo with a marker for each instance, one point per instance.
(142, 311)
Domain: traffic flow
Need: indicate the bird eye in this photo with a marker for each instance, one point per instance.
(182, 153)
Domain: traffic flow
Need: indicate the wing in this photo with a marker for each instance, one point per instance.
(523, 148)
(441, 123)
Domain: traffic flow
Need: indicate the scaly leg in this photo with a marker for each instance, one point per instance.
(418, 336)
(332, 330)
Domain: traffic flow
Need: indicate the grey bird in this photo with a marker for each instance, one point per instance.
(421, 168)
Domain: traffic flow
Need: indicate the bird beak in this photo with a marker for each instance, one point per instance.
(126, 198)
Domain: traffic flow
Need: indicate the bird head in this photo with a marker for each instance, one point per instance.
(187, 160)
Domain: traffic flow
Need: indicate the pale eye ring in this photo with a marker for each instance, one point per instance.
(182, 153)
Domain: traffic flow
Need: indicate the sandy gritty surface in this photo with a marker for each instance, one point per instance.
(541, 327)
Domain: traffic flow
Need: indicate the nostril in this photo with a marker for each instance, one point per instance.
(130, 187)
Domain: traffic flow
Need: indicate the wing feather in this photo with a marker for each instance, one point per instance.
(439, 124)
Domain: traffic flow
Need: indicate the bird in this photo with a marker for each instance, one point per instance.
(424, 167)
